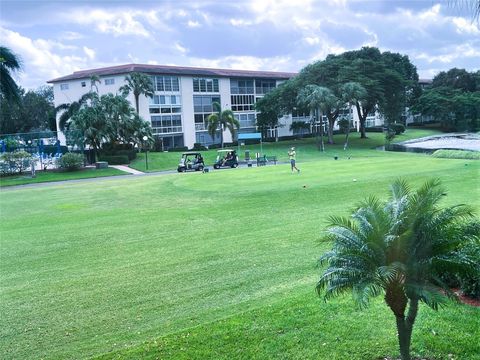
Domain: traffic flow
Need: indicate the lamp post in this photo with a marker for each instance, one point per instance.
(145, 138)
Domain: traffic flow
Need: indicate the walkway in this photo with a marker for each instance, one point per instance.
(126, 169)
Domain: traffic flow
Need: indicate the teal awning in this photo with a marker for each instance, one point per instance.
(250, 136)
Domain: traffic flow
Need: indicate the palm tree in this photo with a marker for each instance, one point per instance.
(224, 120)
(94, 80)
(138, 84)
(70, 109)
(399, 248)
(319, 100)
(344, 124)
(352, 93)
(9, 62)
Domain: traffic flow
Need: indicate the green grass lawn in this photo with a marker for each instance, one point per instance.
(306, 150)
(48, 176)
(208, 266)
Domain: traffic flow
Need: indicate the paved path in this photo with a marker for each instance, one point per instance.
(132, 174)
(126, 169)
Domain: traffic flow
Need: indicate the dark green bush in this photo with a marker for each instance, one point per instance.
(215, 146)
(470, 286)
(131, 154)
(115, 159)
(397, 128)
(199, 147)
(71, 161)
(179, 149)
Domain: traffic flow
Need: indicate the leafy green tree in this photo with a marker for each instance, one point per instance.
(138, 84)
(269, 112)
(34, 111)
(93, 123)
(352, 93)
(222, 120)
(300, 127)
(319, 100)
(109, 120)
(399, 248)
(9, 63)
(453, 99)
(344, 124)
(67, 111)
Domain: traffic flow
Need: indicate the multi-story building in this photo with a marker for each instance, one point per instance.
(183, 100)
(183, 97)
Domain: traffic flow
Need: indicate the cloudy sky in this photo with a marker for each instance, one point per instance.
(55, 38)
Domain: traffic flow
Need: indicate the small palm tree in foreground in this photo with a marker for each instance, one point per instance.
(399, 248)
(222, 120)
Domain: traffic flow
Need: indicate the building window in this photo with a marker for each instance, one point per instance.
(205, 85)
(110, 81)
(165, 104)
(243, 102)
(264, 86)
(246, 120)
(202, 108)
(83, 83)
(165, 124)
(63, 86)
(166, 83)
(241, 86)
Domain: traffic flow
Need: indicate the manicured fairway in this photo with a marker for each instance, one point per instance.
(207, 266)
(306, 150)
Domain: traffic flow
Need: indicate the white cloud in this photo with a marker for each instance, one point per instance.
(89, 52)
(71, 35)
(117, 23)
(244, 63)
(465, 26)
(41, 63)
(193, 24)
(180, 48)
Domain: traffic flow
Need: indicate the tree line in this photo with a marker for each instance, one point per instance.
(370, 81)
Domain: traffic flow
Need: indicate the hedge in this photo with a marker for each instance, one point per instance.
(115, 159)
(457, 154)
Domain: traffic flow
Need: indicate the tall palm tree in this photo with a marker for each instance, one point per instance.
(222, 119)
(9, 63)
(319, 100)
(399, 248)
(138, 84)
(352, 93)
(94, 80)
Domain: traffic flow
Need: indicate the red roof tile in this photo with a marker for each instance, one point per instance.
(173, 70)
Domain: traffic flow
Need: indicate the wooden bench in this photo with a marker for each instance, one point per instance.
(272, 159)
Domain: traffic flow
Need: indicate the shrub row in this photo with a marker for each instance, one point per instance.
(457, 154)
(114, 159)
(15, 162)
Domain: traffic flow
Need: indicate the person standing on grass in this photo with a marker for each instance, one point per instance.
(292, 155)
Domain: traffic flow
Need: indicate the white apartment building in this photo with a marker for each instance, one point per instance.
(183, 97)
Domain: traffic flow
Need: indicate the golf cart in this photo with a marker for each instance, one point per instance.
(226, 158)
(191, 161)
